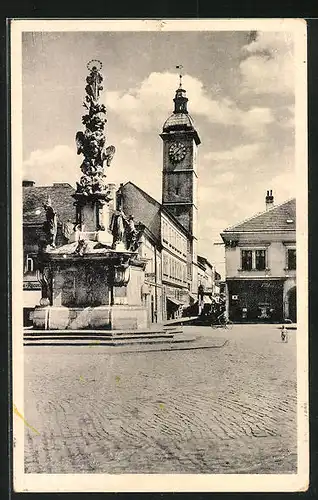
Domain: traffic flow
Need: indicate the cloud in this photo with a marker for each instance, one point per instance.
(129, 141)
(58, 164)
(146, 107)
(268, 67)
(286, 117)
(284, 184)
(240, 153)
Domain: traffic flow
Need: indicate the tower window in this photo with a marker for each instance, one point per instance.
(177, 191)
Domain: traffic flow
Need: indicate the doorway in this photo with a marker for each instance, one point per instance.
(292, 304)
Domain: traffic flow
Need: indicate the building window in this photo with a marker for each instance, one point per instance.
(253, 260)
(165, 265)
(291, 259)
(246, 260)
(260, 263)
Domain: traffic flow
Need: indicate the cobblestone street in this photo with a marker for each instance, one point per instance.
(226, 410)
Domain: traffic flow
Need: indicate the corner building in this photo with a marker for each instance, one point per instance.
(260, 259)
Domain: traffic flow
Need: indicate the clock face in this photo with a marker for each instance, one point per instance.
(177, 151)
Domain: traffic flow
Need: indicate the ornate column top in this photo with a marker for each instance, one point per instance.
(92, 142)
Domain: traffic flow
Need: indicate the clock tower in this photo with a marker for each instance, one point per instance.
(179, 176)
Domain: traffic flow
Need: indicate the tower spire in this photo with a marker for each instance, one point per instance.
(180, 100)
(180, 68)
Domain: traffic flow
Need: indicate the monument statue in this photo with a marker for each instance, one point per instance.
(92, 142)
(124, 231)
(86, 282)
(50, 224)
(117, 227)
(132, 235)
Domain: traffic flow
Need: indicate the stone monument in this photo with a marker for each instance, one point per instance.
(95, 280)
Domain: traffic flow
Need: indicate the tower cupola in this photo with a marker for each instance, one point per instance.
(180, 119)
(180, 101)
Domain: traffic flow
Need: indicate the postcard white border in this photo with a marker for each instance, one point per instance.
(161, 482)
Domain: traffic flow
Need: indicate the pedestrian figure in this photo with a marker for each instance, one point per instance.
(284, 334)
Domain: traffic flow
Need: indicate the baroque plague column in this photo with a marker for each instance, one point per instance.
(95, 280)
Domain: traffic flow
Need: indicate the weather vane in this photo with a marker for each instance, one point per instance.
(180, 68)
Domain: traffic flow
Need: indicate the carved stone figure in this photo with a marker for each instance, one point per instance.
(67, 229)
(84, 186)
(50, 225)
(117, 227)
(81, 247)
(132, 235)
(109, 154)
(100, 210)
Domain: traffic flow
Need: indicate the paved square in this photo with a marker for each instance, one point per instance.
(223, 410)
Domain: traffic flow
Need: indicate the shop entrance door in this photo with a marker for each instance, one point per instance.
(292, 305)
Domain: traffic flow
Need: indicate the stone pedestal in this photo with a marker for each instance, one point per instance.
(99, 289)
(119, 317)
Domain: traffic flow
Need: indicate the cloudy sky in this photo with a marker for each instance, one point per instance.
(240, 87)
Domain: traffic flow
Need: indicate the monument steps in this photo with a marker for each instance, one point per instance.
(105, 342)
(104, 337)
(97, 337)
(96, 333)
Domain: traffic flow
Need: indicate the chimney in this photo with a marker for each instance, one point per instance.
(26, 183)
(269, 200)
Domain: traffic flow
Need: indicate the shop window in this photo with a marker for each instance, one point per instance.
(246, 260)
(291, 259)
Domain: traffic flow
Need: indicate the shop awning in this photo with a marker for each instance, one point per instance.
(175, 302)
(207, 300)
(193, 296)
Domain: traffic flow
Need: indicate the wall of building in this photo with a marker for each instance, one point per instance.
(144, 208)
(189, 161)
(174, 254)
(276, 246)
(261, 295)
(179, 182)
(255, 300)
(153, 281)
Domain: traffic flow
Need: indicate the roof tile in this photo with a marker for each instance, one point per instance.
(281, 217)
(35, 196)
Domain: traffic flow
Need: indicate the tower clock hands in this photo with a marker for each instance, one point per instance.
(177, 151)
